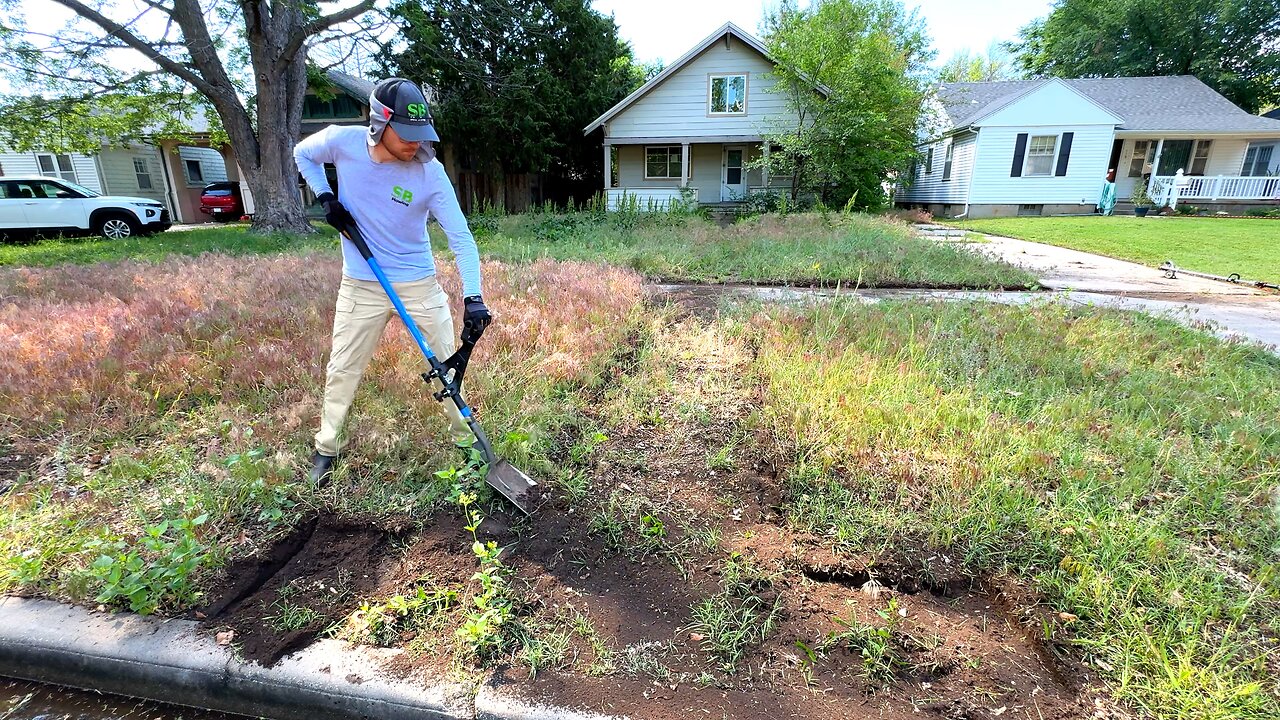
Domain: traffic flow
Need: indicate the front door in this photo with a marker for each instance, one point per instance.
(733, 180)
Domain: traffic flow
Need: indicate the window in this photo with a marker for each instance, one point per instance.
(340, 106)
(1144, 155)
(195, 173)
(728, 95)
(662, 162)
(1040, 153)
(143, 172)
(1201, 157)
(34, 189)
(58, 166)
(946, 167)
(928, 161)
(1257, 160)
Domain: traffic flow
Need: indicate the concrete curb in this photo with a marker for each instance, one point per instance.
(169, 661)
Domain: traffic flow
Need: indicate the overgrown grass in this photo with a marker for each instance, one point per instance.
(1125, 466)
(808, 249)
(146, 396)
(228, 240)
(1215, 245)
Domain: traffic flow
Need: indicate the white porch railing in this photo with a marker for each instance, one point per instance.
(1214, 188)
(642, 199)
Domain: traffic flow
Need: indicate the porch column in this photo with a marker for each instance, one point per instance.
(608, 167)
(684, 165)
(1155, 166)
(765, 169)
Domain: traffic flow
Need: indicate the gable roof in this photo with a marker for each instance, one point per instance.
(726, 29)
(1274, 114)
(1170, 103)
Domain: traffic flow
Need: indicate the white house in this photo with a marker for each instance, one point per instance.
(696, 125)
(1032, 147)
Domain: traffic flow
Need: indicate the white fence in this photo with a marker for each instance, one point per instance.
(1220, 187)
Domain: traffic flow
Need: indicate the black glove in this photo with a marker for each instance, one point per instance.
(334, 213)
(475, 318)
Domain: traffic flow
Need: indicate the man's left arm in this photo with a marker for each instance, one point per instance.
(443, 205)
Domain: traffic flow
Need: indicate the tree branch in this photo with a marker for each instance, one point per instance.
(319, 25)
(128, 38)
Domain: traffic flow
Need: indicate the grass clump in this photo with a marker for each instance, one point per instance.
(1121, 465)
(742, 615)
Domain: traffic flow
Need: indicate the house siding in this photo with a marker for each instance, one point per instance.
(13, 163)
(212, 165)
(677, 107)
(1086, 171)
(120, 178)
(930, 187)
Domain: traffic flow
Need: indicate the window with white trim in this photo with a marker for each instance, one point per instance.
(662, 162)
(59, 166)
(946, 166)
(142, 172)
(727, 95)
(1040, 152)
(1144, 156)
(928, 161)
(1200, 158)
(1257, 160)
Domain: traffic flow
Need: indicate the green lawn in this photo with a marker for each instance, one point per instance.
(229, 240)
(1215, 245)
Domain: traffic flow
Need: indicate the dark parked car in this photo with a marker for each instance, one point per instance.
(222, 201)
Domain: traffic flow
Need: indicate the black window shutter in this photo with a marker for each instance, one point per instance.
(1064, 155)
(1019, 150)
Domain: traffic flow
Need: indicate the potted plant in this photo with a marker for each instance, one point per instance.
(1141, 200)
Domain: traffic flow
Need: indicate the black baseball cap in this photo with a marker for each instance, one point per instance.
(401, 104)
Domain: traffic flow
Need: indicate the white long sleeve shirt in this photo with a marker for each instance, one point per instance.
(391, 202)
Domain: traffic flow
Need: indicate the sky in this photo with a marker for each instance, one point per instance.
(665, 29)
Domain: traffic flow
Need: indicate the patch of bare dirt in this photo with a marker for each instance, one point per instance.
(956, 646)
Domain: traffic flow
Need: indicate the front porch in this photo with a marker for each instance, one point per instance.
(1216, 168)
(651, 174)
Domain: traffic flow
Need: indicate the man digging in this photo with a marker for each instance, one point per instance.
(390, 183)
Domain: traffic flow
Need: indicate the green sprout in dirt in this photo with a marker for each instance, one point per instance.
(384, 623)
(879, 645)
(289, 617)
(482, 631)
(739, 617)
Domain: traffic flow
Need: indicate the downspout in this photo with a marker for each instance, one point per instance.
(969, 187)
(102, 175)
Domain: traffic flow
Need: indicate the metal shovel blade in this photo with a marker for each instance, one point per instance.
(512, 484)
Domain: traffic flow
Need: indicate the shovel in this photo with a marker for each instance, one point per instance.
(501, 475)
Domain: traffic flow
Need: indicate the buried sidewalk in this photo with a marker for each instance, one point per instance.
(170, 661)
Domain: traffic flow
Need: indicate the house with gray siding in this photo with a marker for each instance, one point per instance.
(695, 127)
(1042, 147)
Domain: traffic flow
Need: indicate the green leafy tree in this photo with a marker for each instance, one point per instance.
(518, 80)
(968, 66)
(1230, 45)
(854, 74)
(121, 71)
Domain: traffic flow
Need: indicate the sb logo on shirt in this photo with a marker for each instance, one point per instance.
(402, 196)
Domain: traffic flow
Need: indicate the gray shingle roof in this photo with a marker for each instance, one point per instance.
(1172, 103)
(359, 88)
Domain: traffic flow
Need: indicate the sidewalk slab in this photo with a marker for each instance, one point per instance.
(169, 661)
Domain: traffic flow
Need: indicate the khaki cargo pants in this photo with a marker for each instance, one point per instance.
(360, 316)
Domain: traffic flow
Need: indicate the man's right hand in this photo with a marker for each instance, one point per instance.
(334, 213)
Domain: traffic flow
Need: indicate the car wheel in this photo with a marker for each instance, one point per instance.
(116, 227)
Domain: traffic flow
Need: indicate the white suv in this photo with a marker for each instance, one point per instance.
(34, 204)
